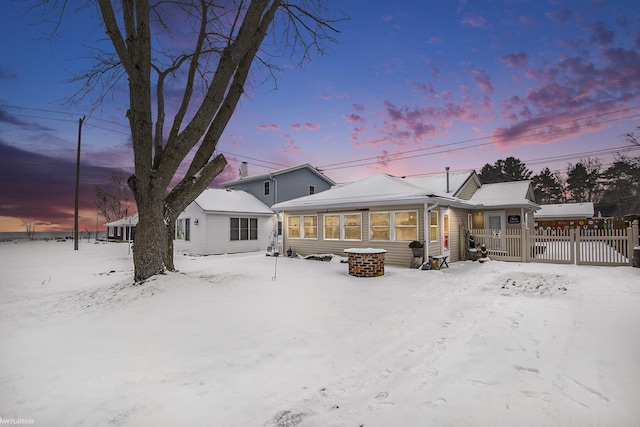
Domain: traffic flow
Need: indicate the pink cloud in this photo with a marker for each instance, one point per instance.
(296, 126)
(359, 107)
(482, 79)
(515, 59)
(325, 96)
(272, 126)
(474, 21)
(571, 96)
(354, 118)
(561, 17)
(312, 126)
(292, 149)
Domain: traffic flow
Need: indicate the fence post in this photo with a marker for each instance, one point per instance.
(525, 246)
(635, 241)
(575, 246)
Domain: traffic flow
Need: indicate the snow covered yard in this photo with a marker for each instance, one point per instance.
(223, 344)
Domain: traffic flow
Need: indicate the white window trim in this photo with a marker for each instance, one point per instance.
(341, 226)
(392, 225)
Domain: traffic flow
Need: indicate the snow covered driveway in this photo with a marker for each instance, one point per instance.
(220, 343)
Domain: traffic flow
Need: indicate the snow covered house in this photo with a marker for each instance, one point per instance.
(122, 229)
(389, 212)
(224, 221)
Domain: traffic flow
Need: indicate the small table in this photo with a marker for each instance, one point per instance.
(441, 260)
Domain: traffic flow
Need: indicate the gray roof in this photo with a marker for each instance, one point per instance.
(268, 175)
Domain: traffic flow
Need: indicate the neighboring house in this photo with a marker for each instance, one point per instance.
(281, 185)
(389, 212)
(122, 229)
(224, 221)
(565, 216)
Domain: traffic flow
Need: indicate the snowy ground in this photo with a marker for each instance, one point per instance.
(224, 344)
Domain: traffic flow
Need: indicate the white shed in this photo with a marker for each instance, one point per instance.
(224, 221)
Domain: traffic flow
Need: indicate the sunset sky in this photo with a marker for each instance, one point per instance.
(411, 87)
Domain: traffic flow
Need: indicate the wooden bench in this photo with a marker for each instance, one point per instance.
(441, 260)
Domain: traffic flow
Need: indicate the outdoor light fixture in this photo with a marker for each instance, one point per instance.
(195, 221)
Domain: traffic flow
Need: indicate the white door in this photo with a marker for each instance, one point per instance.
(497, 224)
(446, 244)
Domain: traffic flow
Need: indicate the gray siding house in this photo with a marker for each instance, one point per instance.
(281, 185)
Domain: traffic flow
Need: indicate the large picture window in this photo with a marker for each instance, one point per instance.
(302, 227)
(393, 226)
(343, 227)
(243, 229)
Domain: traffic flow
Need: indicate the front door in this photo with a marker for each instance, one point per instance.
(446, 249)
(497, 224)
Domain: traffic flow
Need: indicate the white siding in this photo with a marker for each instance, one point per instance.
(212, 234)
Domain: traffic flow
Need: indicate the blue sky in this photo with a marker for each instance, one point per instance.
(410, 87)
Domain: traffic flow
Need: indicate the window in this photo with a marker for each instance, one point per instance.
(293, 227)
(433, 226)
(310, 227)
(312, 189)
(187, 229)
(352, 227)
(406, 225)
(267, 188)
(180, 229)
(343, 227)
(379, 226)
(243, 229)
(302, 227)
(332, 227)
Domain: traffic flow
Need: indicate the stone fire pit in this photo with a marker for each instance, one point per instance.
(366, 262)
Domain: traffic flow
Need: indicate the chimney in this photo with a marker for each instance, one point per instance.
(447, 168)
(243, 170)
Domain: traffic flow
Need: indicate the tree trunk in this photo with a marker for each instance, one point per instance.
(149, 249)
(168, 260)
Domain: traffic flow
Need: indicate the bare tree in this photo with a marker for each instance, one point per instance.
(113, 200)
(224, 39)
(631, 137)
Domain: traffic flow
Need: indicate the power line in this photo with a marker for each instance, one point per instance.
(378, 158)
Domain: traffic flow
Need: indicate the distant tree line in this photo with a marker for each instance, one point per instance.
(615, 191)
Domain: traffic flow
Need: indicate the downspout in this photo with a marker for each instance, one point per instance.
(427, 209)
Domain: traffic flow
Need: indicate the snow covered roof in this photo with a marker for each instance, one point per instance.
(230, 201)
(437, 184)
(266, 175)
(374, 190)
(504, 194)
(130, 220)
(383, 189)
(566, 210)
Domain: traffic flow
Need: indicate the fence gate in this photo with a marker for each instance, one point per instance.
(574, 246)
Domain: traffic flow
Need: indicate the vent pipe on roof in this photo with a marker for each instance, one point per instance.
(244, 169)
(447, 168)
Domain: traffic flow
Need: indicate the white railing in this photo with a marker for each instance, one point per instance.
(574, 246)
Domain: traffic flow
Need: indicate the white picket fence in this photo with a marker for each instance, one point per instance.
(575, 246)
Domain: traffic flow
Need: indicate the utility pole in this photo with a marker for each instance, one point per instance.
(75, 217)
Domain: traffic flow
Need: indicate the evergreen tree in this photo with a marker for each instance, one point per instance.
(510, 169)
(547, 187)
